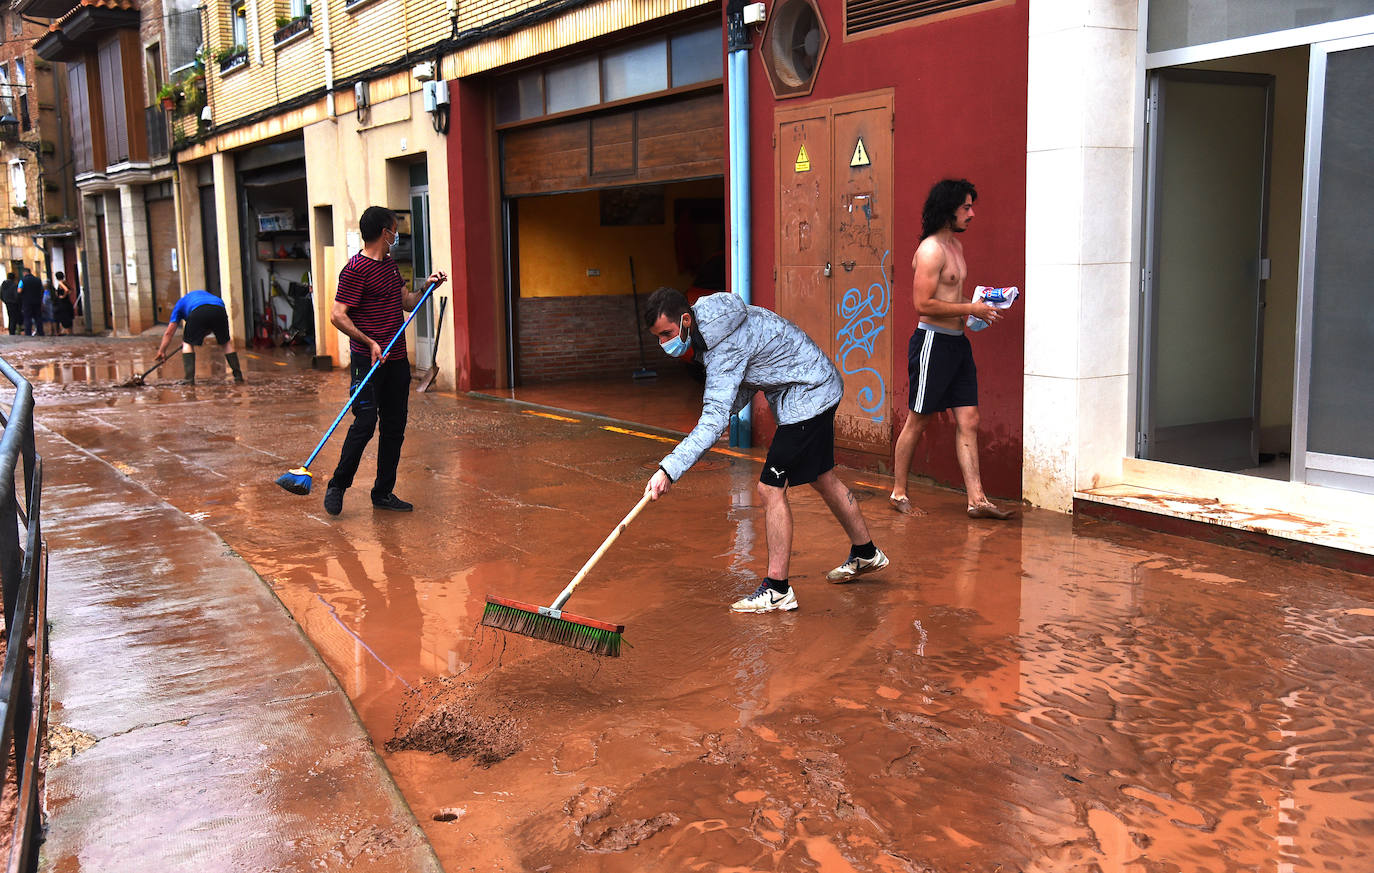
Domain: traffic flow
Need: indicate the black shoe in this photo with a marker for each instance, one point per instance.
(393, 503)
(333, 500)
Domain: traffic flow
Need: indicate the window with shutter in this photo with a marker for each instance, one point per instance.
(861, 16)
(83, 160)
(112, 104)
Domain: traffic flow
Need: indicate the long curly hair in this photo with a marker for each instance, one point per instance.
(945, 197)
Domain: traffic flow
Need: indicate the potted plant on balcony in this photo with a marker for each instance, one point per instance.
(167, 95)
(230, 57)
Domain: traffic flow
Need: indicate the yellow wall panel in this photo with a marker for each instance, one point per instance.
(561, 238)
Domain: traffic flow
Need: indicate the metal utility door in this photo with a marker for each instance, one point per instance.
(1333, 421)
(834, 168)
(1205, 268)
(420, 251)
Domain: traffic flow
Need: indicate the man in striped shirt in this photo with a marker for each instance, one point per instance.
(368, 308)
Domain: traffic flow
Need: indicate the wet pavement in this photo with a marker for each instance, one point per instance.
(1030, 696)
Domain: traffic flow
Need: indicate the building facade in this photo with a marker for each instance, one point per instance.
(115, 60)
(38, 222)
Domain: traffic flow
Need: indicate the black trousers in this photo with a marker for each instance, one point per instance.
(384, 401)
(16, 313)
(33, 319)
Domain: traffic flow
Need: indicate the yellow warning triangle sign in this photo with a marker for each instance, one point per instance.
(803, 160)
(860, 158)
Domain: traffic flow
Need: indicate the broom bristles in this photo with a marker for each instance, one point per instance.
(296, 481)
(583, 634)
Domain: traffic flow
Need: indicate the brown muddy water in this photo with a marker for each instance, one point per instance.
(1027, 696)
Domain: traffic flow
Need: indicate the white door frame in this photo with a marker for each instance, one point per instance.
(1303, 461)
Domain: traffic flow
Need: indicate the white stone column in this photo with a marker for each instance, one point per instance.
(231, 282)
(93, 279)
(1084, 103)
(138, 262)
(114, 242)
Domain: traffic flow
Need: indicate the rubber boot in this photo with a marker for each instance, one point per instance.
(233, 359)
(188, 363)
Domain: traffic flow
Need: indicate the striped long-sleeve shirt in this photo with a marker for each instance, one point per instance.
(372, 292)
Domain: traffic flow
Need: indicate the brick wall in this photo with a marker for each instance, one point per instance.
(578, 337)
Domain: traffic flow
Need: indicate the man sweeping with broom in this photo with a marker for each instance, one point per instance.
(748, 349)
(367, 307)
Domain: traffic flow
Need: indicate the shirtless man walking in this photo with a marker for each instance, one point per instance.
(939, 357)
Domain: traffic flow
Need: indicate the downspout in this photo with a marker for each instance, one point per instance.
(328, 60)
(737, 99)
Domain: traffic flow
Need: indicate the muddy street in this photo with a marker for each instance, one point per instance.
(1025, 696)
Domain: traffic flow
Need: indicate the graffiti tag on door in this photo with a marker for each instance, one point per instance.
(864, 314)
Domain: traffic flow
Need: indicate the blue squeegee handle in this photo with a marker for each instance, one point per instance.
(375, 365)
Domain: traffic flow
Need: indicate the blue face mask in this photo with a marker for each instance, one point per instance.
(678, 345)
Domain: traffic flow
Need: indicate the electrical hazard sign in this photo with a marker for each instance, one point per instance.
(860, 158)
(803, 161)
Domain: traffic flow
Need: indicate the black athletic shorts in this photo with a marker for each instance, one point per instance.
(940, 366)
(801, 452)
(204, 320)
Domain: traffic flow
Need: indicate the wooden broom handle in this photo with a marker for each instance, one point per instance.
(591, 562)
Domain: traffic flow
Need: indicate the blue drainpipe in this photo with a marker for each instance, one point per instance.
(737, 96)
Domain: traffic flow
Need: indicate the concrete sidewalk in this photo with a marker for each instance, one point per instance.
(208, 734)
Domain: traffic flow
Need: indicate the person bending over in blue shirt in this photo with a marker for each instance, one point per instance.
(204, 314)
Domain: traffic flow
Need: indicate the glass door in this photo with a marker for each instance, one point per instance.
(1208, 168)
(1333, 433)
(423, 263)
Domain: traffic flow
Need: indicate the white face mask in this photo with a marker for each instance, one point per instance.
(678, 345)
(395, 238)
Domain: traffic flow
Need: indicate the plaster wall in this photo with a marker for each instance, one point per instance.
(959, 110)
(1082, 172)
(391, 135)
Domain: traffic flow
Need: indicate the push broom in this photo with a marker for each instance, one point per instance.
(551, 623)
(298, 481)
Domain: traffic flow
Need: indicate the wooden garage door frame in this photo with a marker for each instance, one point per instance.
(671, 140)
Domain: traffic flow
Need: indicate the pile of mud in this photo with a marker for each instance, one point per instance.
(444, 715)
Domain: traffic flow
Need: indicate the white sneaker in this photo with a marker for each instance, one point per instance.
(856, 567)
(766, 600)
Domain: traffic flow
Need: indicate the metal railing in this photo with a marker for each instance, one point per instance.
(24, 573)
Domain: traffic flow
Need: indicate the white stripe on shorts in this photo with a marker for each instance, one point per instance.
(927, 343)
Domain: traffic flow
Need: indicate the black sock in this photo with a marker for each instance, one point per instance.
(778, 585)
(865, 551)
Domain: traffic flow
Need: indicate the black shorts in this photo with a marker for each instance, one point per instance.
(941, 370)
(801, 452)
(204, 320)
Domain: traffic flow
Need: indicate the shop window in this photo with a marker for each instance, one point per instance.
(635, 70)
(573, 85)
(519, 97)
(696, 56)
(641, 69)
(793, 46)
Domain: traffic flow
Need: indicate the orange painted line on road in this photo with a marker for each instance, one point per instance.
(732, 453)
(868, 484)
(550, 415)
(647, 436)
(251, 355)
(280, 363)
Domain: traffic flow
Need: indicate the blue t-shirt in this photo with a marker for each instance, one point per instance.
(191, 301)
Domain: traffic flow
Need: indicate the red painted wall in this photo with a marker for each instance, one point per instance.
(959, 111)
(475, 291)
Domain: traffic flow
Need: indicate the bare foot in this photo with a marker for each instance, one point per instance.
(987, 510)
(904, 506)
